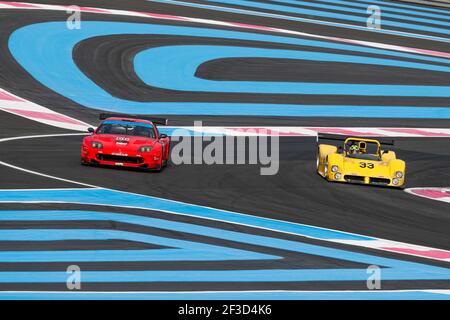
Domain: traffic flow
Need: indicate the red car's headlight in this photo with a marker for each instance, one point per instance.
(97, 145)
(145, 149)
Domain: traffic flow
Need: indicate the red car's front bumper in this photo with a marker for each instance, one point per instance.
(148, 160)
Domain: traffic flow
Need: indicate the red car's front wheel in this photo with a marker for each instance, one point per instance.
(84, 162)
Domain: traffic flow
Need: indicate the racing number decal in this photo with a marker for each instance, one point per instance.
(366, 165)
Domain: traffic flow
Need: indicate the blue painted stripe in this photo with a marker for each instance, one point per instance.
(241, 276)
(183, 132)
(190, 251)
(69, 215)
(361, 8)
(117, 198)
(339, 16)
(397, 270)
(294, 18)
(261, 295)
(33, 47)
(390, 4)
(164, 67)
(255, 109)
(350, 12)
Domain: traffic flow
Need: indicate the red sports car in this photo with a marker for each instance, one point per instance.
(128, 141)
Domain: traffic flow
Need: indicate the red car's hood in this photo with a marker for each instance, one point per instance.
(109, 140)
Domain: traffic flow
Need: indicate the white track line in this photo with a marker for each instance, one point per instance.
(38, 173)
(437, 291)
(18, 106)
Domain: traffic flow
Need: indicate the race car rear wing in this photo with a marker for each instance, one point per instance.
(161, 121)
(339, 137)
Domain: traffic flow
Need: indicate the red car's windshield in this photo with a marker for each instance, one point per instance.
(126, 128)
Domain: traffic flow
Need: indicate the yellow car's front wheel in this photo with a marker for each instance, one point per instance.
(325, 168)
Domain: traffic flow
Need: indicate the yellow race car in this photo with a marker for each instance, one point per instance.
(359, 160)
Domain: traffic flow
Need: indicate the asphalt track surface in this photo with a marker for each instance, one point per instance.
(296, 194)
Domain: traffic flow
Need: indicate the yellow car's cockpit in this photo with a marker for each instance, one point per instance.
(360, 149)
